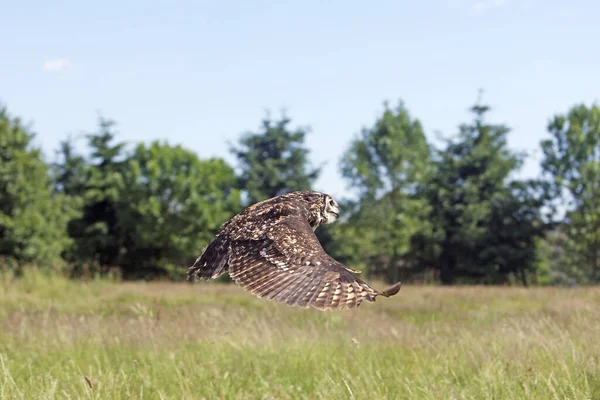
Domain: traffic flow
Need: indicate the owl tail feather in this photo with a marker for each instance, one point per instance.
(212, 263)
(392, 290)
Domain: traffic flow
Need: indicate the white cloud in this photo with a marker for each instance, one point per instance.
(56, 64)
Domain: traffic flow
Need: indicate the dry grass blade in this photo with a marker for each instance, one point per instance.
(89, 381)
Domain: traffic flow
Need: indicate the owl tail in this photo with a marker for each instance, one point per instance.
(212, 263)
(392, 290)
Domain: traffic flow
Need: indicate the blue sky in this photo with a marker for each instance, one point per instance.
(200, 73)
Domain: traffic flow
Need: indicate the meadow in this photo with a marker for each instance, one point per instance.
(61, 339)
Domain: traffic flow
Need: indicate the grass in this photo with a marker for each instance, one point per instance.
(102, 340)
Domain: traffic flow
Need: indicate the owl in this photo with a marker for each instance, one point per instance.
(271, 250)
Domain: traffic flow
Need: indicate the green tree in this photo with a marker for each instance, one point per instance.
(70, 170)
(99, 237)
(274, 161)
(32, 218)
(389, 164)
(557, 264)
(69, 173)
(509, 248)
(572, 162)
(485, 225)
(171, 207)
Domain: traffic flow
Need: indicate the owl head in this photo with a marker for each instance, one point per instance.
(321, 207)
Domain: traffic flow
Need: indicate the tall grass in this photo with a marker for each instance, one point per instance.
(102, 340)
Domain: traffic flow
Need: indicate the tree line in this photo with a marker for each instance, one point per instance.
(452, 213)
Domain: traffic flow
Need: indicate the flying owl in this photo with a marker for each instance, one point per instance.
(271, 250)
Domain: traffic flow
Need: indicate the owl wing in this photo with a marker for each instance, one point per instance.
(288, 264)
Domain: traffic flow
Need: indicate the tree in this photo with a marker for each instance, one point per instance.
(572, 164)
(388, 164)
(485, 225)
(98, 235)
(32, 218)
(69, 170)
(69, 173)
(274, 161)
(171, 207)
(348, 240)
(557, 264)
(509, 247)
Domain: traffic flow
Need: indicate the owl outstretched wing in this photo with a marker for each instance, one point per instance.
(288, 264)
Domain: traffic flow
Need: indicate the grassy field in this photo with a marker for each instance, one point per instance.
(101, 340)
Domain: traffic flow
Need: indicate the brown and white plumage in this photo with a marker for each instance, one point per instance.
(271, 250)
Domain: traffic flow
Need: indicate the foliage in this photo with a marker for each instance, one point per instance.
(348, 241)
(391, 156)
(32, 220)
(69, 180)
(389, 164)
(274, 161)
(557, 262)
(96, 181)
(572, 163)
(70, 170)
(148, 212)
(172, 205)
(485, 225)
(455, 213)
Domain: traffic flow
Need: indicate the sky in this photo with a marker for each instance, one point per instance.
(201, 73)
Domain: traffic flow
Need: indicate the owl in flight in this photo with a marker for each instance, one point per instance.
(271, 250)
